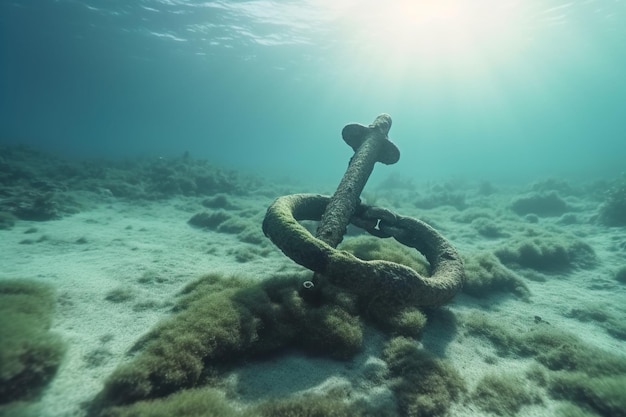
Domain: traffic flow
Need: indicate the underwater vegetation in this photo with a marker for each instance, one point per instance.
(119, 295)
(540, 203)
(605, 394)
(7, 220)
(369, 248)
(26, 204)
(620, 275)
(229, 222)
(424, 385)
(485, 275)
(219, 201)
(488, 228)
(441, 195)
(601, 317)
(24, 193)
(483, 221)
(36, 186)
(165, 177)
(313, 406)
(199, 402)
(225, 216)
(572, 410)
(219, 320)
(567, 368)
(209, 402)
(209, 220)
(503, 394)
(613, 210)
(546, 252)
(29, 353)
(548, 185)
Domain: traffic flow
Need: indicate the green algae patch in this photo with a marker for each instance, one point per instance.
(218, 321)
(546, 252)
(209, 402)
(572, 410)
(613, 211)
(606, 395)
(186, 403)
(423, 384)
(310, 406)
(544, 203)
(486, 275)
(620, 275)
(30, 354)
(503, 395)
(370, 249)
(571, 369)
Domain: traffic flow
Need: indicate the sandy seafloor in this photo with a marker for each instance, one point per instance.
(111, 242)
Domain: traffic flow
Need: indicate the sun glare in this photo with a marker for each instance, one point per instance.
(438, 23)
(441, 35)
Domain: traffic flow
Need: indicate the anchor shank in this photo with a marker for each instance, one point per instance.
(343, 203)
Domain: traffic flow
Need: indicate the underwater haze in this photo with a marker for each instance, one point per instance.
(157, 255)
(480, 89)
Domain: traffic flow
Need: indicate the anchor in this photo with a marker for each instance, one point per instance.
(239, 319)
(379, 284)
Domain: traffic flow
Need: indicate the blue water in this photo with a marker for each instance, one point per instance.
(480, 89)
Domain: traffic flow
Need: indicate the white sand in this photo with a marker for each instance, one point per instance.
(127, 241)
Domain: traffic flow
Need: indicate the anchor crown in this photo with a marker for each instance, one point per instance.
(355, 134)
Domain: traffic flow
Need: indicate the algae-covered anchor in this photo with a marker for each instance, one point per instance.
(370, 145)
(376, 282)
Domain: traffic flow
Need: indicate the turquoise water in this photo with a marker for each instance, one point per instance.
(478, 89)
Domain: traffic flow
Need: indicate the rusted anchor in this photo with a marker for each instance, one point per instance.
(370, 145)
(387, 283)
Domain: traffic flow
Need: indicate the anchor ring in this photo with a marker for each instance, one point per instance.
(386, 281)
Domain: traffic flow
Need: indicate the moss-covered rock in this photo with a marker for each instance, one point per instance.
(29, 353)
(7, 220)
(489, 228)
(442, 195)
(572, 410)
(310, 406)
(503, 394)
(425, 386)
(219, 201)
(620, 275)
(409, 322)
(218, 321)
(486, 275)
(332, 331)
(120, 295)
(479, 324)
(604, 394)
(539, 203)
(558, 350)
(370, 248)
(202, 402)
(209, 402)
(209, 220)
(613, 210)
(546, 252)
(555, 349)
(574, 371)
